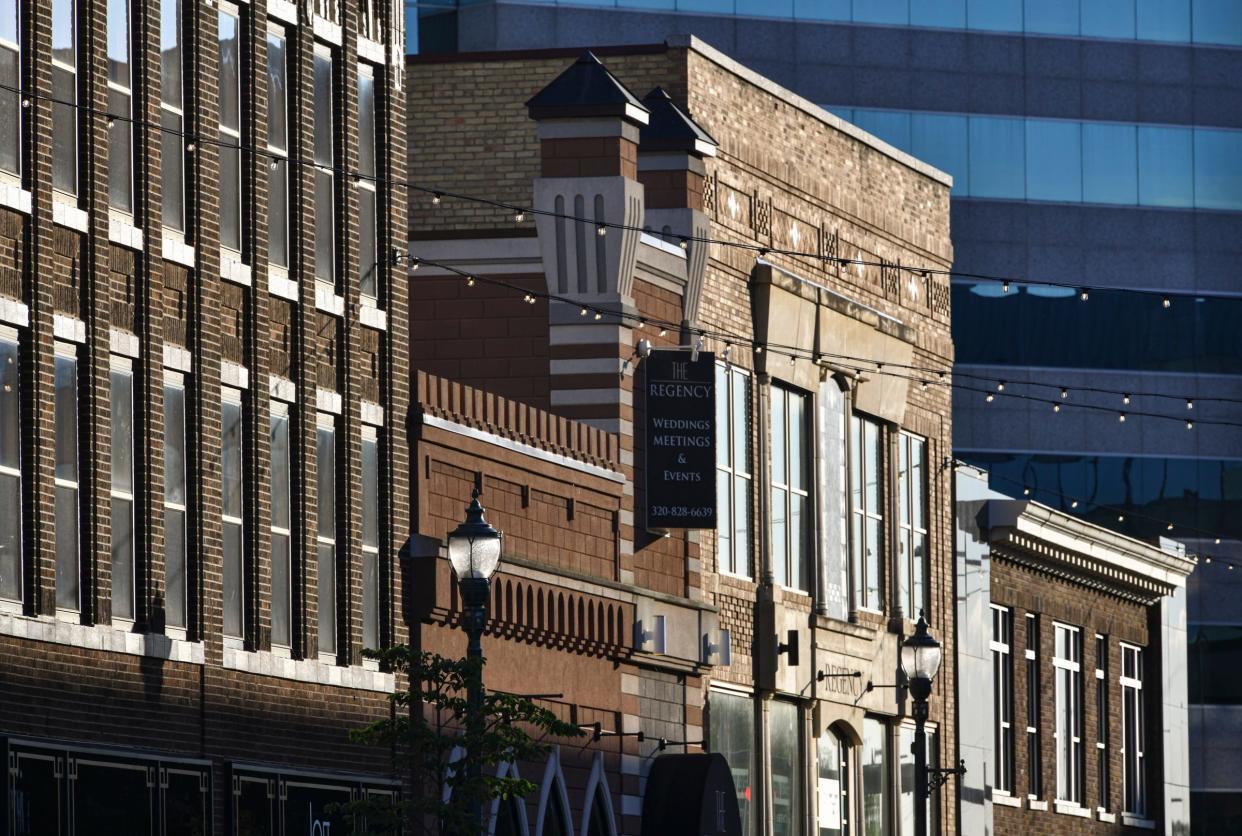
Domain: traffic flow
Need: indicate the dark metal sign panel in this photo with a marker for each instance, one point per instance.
(681, 440)
(689, 795)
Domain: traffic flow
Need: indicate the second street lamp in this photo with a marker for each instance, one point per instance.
(920, 659)
(474, 552)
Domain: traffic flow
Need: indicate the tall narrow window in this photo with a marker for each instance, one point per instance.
(230, 127)
(325, 184)
(867, 511)
(370, 538)
(277, 148)
(1101, 719)
(1067, 665)
(120, 109)
(1002, 697)
(1132, 730)
(67, 566)
(912, 554)
(368, 266)
(172, 117)
(10, 99)
(876, 784)
(1034, 764)
(833, 800)
(325, 467)
(908, 780)
(791, 514)
(121, 380)
(10, 468)
(174, 500)
(733, 471)
(731, 732)
(65, 95)
(785, 726)
(834, 585)
(231, 512)
(282, 522)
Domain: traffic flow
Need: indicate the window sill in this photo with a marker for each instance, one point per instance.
(373, 317)
(283, 10)
(15, 197)
(1006, 800)
(177, 251)
(70, 217)
(122, 231)
(279, 284)
(282, 389)
(65, 327)
(1068, 808)
(14, 312)
(372, 413)
(1131, 820)
(327, 299)
(100, 637)
(233, 270)
(1037, 804)
(314, 671)
(328, 31)
(1105, 816)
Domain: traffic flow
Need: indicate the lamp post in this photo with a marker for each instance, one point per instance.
(920, 659)
(474, 552)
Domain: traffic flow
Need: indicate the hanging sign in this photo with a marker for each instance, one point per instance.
(681, 440)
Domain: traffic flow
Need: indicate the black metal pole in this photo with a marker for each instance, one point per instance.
(474, 593)
(920, 690)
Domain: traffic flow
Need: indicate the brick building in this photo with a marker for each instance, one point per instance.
(203, 458)
(1072, 678)
(757, 637)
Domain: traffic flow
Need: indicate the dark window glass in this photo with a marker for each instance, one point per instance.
(186, 811)
(1050, 327)
(122, 403)
(731, 732)
(111, 799)
(306, 804)
(600, 824)
(1213, 813)
(174, 505)
(1214, 660)
(784, 726)
(10, 473)
(36, 796)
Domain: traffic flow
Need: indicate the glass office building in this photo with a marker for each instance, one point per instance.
(1094, 143)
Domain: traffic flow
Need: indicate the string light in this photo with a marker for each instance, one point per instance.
(436, 197)
(1190, 425)
(1074, 504)
(758, 349)
(1083, 295)
(1056, 407)
(684, 242)
(583, 312)
(1121, 417)
(601, 230)
(469, 281)
(1125, 398)
(1064, 393)
(519, 216)
(1026, 491)
(1167, 302)
(663, 331)
(598, 316)
(990, 397)
(1169, 527)
(1190, 404)
(1005, 287)
(1000, 387)
(642, 323)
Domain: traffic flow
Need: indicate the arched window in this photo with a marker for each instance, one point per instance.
(601, 818)
(834, 785)
(553, 801)
(597, 817)
(509, 818)
(555, 818)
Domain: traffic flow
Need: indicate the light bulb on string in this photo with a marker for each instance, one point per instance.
(1083, 295)
(1167, 302)
(1121, 518)
(1190, 425)
(601, 230)
(519, 216)
(1190, 404)
(1121, 417)
(1056, 407)
(436, 197)
(1000, 386)
(583, 312)
(641, 324)
(1004, 287)
(1218, 541)
(1074, 504)
(1064, 393)
(469, 281)
(663, 331)
(598, 316)
(1169, 527)
(1125, 398)
(758, 349)
(685, 243)
(990, 398)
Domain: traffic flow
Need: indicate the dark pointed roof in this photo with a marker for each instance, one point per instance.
(586, 89)
(671, 129)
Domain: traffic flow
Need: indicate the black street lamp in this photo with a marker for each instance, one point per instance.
(920, 659)
(474, 552)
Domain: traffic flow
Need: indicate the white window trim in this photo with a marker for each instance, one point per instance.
(124, 364)
(122, 215)
(1075, 779)
(281, 409)
(908, 532)
(1135, 684)
(808, 476)
(176, 380)
(278, 271)
(70, 351)
(229, 256)
(228, 394)
(730, 472)
(1004, 760)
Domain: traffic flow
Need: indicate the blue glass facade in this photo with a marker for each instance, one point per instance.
(1020, 158)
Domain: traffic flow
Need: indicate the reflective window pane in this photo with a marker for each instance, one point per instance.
(277, 92)
(1217, 22)
(1163, 20)
(368, 265)
(997, 157)
(10, 414)
(67, 418)
(230, 195)
(875, 781)
(1218, 169)
(999, 15)
(231, 578)
(172, 161)
(945, 14)
(818, 9)
(1053, 160)
(170, 52)
(231, 458)
(9, 21)
(370, 600)
(174, 567)
(10, 536)
(1053, 17)
(279, 447)
(370, 493)
(1164, 156)
(174, 444)
(10, 106)
(122, 558)
(326, 589)
(120, 152)
(64, 131)
(882, 11)
(278, 212)
(281, 623)
(64, 31)
(891, 126)
(731, 732)
(940, 139)
(118, 42)
(1108, 18)
(784, 725)
(325, 467)
(66, 547)
(230, 71)
(323, 110)
(1109, 163)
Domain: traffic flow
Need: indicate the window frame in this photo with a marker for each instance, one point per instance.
(173, 138)
(328, 171)
(917, 599)
(1001, 647)
(7, 175)
(280, 411)
(123, 366)
(119, 123)
(1134, 799)
(234, 398)
(63, 351)
(1069, 721)
(278, 153)
(367, 184)
(175, 380)
(860, 516)
(230, 137)
(59, 192)
(12, 337)
(738, 562)
(797, 568)
(1034, 756)
(373, 615)
(326, 421)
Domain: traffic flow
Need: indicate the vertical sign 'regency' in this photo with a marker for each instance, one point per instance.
(681, 440)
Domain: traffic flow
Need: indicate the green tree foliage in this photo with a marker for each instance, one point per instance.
(449, 763)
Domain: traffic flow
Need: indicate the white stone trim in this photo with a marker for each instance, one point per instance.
(1005, 799)
(176, 357)
(14, 312)
(1037, 804)
(68, 215)
(597, 780)
(233, 269)
(372, 413)
(1131, 820)
(328, 401)
(283, 10)
(234, 374)
(121, 230)
(525, 449)
(575, 397)
(15, 197)
(553, 781)
(370, 50)
(263, 663)
(1105, 816)
(479, 255)
(585, 365)
(327, 299)
(373, 317)
(279, 284)
(631, 805)
(651, 240)
(1070, 808)
(177, 251)
(101, 637)
(124, 343)
(69, 328)
(282, 389)
(327, 30)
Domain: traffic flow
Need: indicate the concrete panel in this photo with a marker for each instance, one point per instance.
(1107, 100)
(1110, 61)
